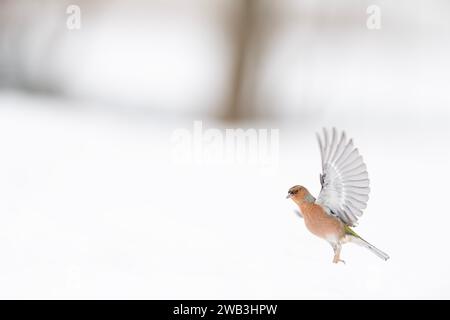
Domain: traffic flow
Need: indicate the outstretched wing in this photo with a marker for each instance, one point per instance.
(344, 178)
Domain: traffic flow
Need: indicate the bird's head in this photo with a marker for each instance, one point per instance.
(299, 194)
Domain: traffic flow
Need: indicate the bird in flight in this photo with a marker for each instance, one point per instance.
(344, 194)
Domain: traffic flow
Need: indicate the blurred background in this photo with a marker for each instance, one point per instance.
(92, 205)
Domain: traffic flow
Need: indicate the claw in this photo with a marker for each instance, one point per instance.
(337, 260)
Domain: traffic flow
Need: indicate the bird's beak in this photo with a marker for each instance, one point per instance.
(288, 196)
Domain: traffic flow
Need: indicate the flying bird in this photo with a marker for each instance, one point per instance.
(344, 195)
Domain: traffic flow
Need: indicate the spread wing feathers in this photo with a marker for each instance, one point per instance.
(344, 178)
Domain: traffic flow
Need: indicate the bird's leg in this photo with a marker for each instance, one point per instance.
(337, 253)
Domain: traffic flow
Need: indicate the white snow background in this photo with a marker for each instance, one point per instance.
(93, 207)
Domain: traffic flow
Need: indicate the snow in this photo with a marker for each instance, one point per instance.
(92, 206)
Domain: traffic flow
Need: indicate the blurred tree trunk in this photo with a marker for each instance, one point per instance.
(240, 102)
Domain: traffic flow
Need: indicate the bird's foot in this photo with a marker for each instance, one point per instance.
(337, 260)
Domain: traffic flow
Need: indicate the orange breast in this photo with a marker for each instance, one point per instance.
(320, 223)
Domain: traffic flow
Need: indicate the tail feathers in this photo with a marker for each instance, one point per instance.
(364, 243)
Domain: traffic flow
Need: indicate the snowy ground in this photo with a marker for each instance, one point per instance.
(92, 206)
